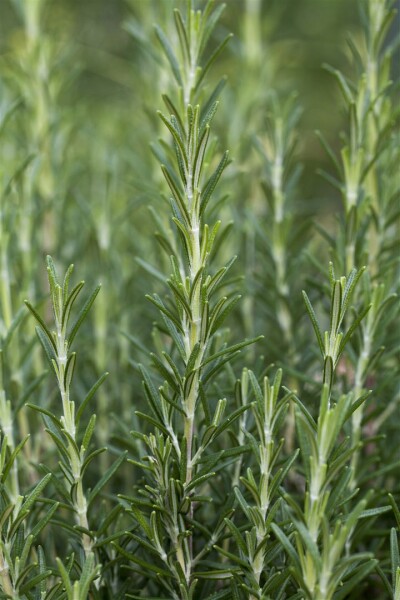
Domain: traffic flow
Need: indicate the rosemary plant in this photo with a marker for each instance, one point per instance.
(258, 575)
(184, 416)
(369, 192)
(320, 567)
(269, 474)
(24, 511)
(75, 454)
(283, 230)
(23, 514)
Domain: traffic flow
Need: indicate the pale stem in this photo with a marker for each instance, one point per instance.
(194, 337)
(313, 518)
(68, 421)
(192, 70)
(81, 509)
(358, 413)
(5, 292)
(6, 583)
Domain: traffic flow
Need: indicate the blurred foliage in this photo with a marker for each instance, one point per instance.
(109, 81)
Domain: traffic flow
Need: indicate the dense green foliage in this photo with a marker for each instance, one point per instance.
(248, 448)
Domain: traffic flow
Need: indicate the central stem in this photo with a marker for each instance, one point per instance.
(193, 337)
(194, 330)
(81, 509)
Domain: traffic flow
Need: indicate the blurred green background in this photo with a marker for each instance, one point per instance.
(88, 78)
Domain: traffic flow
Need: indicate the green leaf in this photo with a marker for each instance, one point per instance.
(47, 413)
(170, 54)
(82, 315)
(41, 524)
(309, 543)
(65, 578)
(89, 458)
(105, 478)
(385, 581)
(219, 574)
(306, 435)
(148, 567)
(348, 96)
(51, 270)
(148, 547)
(223, 313)
(243, 503)
(329, 152)
(198, 162)
(336, 306)
(353, 327)
(191, 363)
(233, 557)
(284, 540)
(196, 481)
(360, 575)
(179, 292)
(156, 300)
(59, 443)
(173, 111)
(89, 573)
(35, 581)
(174, 333)
(229, 420)
(210, 186)
(65, 285)
(395, 509)
(5, 514)
(157, 424)
(282, 472)
(241, 544)
(183, 39)
(152, 394)
(150, 269)
(178, 377)
(69, 370)
(70, 302)
(51, 355)
(373, 512)
(177, 137)
(212, 99)
(43, 328)
(25, 553)
(329, 370)
(211, 60)
(314, 322)
(394, 554)
(166, 375)
(34, 495)
(89, 396)
(7, 468)
(351, 283)
(231, 349)
(256, 389)
(177, 194)
(88, 432)
(207, 116)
